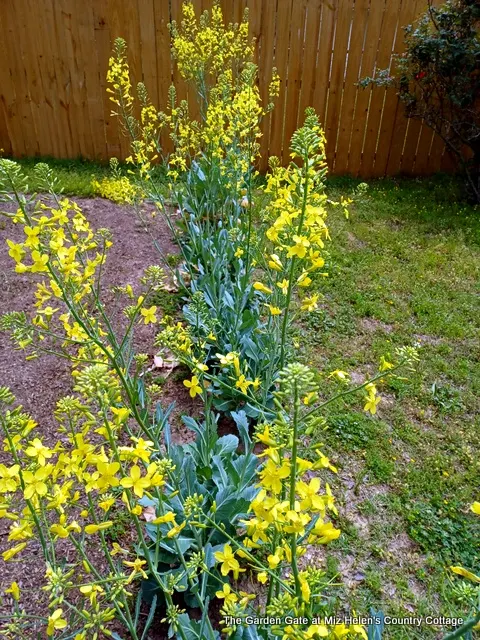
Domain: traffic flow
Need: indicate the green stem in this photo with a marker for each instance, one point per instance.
(461, 631)
(293, 479)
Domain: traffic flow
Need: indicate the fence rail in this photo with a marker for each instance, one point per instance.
(54, 56)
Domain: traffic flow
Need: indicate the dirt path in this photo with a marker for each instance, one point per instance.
(39, 383)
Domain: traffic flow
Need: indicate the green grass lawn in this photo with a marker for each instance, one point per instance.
(403, 270)
(74, 176)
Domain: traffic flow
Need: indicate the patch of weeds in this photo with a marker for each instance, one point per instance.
(447, 399)
(402, 387)
(373, 581)
(443, 529)
(173, 259)
(167, 302)
(323, 321)
(74, 176)
(179, 374)
(407, 431)
(380, 467)
(349, 533)
(355, 430)
(428, 478)
(122, 525)
(367, 508)
(464, 594)
(332, 567)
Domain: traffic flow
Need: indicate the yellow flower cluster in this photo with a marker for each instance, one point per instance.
(208, 47)
(59, 242)
(145, 134)
(296, 216)
(288, 514)
(120, 190)
(217, 59)
(303, 514)
(70, 490)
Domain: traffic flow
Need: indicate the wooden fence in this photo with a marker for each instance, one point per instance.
(54, 56)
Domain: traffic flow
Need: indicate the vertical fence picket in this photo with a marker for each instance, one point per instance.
(352, 75)
(282, 43)
(337, 76)
(376, 110)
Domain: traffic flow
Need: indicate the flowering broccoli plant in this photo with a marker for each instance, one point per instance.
(199, 512)
(212, 176)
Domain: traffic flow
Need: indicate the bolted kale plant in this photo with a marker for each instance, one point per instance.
(438, 80)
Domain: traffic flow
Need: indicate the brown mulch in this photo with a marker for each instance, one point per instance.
(38, 384)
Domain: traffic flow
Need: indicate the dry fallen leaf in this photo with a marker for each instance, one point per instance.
(149, 514)
(167, 363)
(171, 288)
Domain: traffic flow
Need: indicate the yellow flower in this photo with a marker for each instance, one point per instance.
(16, 251)
(91, 590)
(32, 234)
(309, 494)
(175, 530)
(95, 528)
(120, 413)
(304, 280)
(137, 568)
(323, 462)
(117, 549)
(39, 451)
(107, 477)
(230, 358)
(275, 262)
(193, 385)
(296, 522)
(310, 398)
(325, 531)
(466, 574)
(226, 593)
(299, 249)
(265, 436)
(384, 364)
(371, 400)
(262, 577)
(14, 589)
(343, 376)
(476, 508)
(229, 562)
(283, 285)
(317, 631)
(135, 481)
(310, 304)
(275, 558)
(55, 621)
(275, 311)
(39, 262)
(35, 482)
(167, 517)
(239, 252)
(272, 475)
(59, 530)
(242, 383)
(13, 551)
(258, 286)
(305, 589)
(149, 315)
